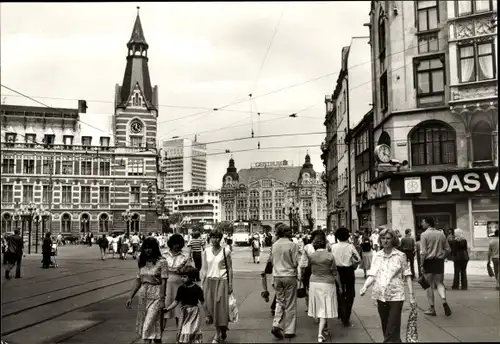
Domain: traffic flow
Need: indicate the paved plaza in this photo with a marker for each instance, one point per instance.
(83, 301)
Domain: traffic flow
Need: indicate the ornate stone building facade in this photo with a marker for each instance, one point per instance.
(72, 172)
(266, 194)
(435, 108)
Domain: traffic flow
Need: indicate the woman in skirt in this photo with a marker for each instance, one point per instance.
(176, 260)
(188, 296)
(366, 253)
(151, 284)
(217, 281)
(322, 292)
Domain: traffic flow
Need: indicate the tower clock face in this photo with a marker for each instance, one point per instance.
(136, 127)
(383, 153)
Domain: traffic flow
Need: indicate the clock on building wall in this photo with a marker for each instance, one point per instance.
(383, 153)
(136, 127)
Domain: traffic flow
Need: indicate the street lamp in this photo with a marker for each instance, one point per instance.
(17, 216)
(127, 217)
(29, 212)
(292, 211)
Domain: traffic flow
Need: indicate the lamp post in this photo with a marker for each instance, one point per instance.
(292, 211)
(17, 216)
(127, 217)
(29, 212)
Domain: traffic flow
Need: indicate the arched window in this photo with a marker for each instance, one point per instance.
(85, 223)
(66, 223)
(433, 143)
(134, 224)
(384, 139)
(103, 223)
(6, 223)
(482, 149)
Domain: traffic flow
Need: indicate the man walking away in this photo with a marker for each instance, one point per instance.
(408, 247)
(134, 241)
(285, 258)
(15, 246)
(434, 249)
(197, 247)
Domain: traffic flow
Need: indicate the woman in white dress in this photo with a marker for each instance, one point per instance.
(114, 245)
(322, 292)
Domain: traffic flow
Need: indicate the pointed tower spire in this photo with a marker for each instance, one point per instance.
(137, 37)
(136, 78)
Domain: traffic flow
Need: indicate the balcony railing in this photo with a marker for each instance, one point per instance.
(135, 205)
(86, 205)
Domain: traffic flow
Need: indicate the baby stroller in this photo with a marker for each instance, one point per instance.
(53, 255)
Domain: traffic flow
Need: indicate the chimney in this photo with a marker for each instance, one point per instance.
(82, 106)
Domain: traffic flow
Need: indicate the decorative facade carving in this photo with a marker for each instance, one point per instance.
(484, 26)
(464, 29)
(471, 92)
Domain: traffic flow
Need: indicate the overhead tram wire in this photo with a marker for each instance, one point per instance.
(329, 74)
(258, 96)
(293, 115)
(168, 106)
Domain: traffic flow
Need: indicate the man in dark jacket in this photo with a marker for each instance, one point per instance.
(14, 254)
(408, 247)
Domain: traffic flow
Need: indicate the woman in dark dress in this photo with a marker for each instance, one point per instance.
(46, 250)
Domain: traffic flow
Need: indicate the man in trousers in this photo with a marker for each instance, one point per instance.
(14, 253)
(285, 258)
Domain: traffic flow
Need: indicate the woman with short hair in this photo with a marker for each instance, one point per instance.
(322, 293)
(460, 257)
(176, 260)
(388, 273)
(217, 281)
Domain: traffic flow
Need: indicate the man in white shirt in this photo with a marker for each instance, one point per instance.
(134, 241)
(375, 239)
(331, 238)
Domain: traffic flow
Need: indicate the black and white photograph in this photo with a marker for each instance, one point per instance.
(249, 172)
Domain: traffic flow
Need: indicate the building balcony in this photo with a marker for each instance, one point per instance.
(8, 205)
(66, 205)
(105, 205)
(135, 206)
(85, 205)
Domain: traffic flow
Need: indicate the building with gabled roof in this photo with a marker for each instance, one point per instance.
(81, 172)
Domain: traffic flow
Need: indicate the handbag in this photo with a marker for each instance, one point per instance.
(233, 307)
(301, 291)
(411, 328)
(268, 270)
(490, 270)
(423, 282)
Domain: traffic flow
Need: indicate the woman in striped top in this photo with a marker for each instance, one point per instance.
(197, 246)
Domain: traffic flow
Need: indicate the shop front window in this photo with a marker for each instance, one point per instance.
(484, 220)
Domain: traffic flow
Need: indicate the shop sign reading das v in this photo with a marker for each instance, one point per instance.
(469, 182)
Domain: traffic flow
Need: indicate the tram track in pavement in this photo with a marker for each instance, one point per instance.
(34, 315)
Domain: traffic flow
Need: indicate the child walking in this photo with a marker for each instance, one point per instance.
(188, 295)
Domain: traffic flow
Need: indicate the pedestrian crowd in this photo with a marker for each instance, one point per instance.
(167, 292)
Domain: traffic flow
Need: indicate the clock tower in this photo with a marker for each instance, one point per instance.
(136, 101)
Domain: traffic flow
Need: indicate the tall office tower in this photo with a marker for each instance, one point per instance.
(185, 162)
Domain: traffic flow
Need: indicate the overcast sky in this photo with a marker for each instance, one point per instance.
(202, 56)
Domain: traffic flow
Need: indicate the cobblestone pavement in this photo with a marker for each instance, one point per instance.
(83, 301)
